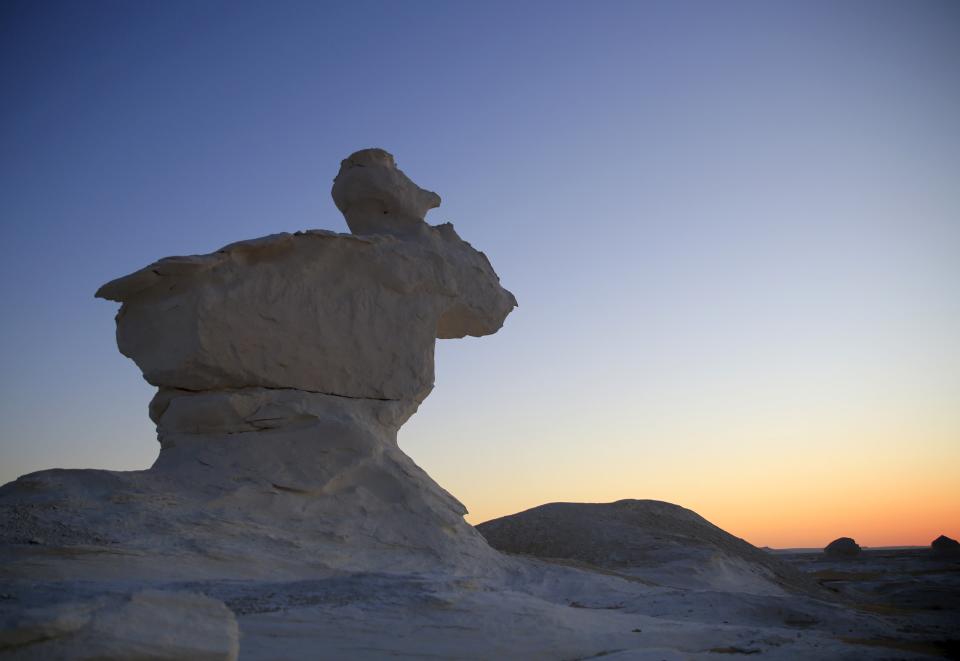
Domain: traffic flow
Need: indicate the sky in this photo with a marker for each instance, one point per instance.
(733, 230)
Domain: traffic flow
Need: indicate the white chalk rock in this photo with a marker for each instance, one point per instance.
(286, 366)
(254, 483)
(340, 314)
(376, 197)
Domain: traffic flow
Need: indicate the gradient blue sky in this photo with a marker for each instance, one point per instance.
(733, 229)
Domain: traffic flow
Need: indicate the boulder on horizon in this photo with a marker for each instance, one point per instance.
(842, 547)
(945, 546)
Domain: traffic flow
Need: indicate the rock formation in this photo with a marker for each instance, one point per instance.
(285, 366)
(645, 538)
(945, 546)
(281, 515)
(842, 547)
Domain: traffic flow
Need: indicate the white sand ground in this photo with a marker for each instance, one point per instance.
(710, 600)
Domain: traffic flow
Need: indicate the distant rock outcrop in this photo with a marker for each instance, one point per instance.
(843, 547)
(945, 546)
(660, 541)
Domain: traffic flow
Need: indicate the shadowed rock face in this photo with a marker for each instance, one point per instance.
(843, 547)
(285, 366)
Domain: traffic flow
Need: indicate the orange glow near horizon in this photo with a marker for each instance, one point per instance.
(877, 515)
(890, 482)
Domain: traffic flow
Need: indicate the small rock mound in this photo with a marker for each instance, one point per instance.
(843, 547)
(945, 546)
(658, 541)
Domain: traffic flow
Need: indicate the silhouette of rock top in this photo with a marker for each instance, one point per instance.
(354, 315)
(843, 547)
(944, 545)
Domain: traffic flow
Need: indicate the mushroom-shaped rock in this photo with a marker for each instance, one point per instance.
(286, 366)
(945, 546)
(843, 547)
